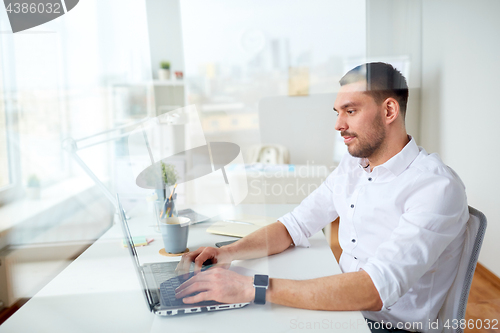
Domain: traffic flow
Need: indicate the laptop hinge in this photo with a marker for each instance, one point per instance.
(147, 291)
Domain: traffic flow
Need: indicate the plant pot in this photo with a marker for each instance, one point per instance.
(163, 74)
(33, 193)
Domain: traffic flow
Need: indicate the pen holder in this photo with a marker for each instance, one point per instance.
(169, 208)
(165, 209)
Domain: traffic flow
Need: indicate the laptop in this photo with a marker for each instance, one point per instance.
(159, 280)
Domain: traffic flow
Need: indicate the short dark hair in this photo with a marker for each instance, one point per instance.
(382, 80)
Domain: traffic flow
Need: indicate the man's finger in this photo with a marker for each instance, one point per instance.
(193, 288)
(190, 281)
(201, 258)
(182, 267)
(204, 296)
(186, 284)
(186, 260)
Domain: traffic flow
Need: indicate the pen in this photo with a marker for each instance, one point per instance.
(165, 205)
(170, 209)
(173, 190)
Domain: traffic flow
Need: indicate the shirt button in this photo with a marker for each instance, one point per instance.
(352, 206)
(370, 179)
(353, 240)
(356, 258)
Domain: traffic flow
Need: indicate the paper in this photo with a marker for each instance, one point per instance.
(240, 226)
(138, 241)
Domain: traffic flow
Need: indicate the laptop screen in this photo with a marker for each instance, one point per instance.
(133, 253)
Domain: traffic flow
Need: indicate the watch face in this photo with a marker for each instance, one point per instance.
(261, 280)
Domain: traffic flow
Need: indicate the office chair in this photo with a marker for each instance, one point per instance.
(453, 309)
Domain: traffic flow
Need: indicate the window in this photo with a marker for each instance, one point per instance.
(55, 91)
(257, 49)
(4, 155)
(10, 187)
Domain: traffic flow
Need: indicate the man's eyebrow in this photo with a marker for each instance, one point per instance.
(345, 106)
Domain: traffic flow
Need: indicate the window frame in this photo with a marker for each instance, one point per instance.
(14, 190)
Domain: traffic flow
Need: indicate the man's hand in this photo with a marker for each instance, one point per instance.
(221, 257)
(217, 284)
(268, 240)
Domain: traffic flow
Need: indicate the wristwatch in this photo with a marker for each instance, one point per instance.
(260, 283)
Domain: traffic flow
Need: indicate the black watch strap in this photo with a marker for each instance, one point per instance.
(260, 283)
(260, 295)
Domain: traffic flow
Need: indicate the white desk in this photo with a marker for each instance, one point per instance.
(100, 292)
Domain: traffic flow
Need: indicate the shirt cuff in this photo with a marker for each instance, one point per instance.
(294, 229)
(383, 282)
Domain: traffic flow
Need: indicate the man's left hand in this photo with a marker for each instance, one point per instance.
(217, 284)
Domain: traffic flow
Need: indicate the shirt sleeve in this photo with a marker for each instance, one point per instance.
(313, 213)
(434, 215)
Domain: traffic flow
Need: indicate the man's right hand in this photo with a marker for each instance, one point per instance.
(220, 256)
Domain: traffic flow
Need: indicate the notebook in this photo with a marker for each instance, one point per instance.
(240, 226)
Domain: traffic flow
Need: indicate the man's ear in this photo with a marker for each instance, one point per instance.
(391, 107)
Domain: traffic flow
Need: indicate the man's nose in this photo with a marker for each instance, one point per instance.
(340, 124)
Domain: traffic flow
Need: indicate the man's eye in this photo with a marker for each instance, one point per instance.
(350, 111)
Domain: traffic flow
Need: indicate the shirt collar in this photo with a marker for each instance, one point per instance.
(399, 162)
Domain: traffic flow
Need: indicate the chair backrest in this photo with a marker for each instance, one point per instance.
(453, 309)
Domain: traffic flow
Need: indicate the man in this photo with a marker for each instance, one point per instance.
(402, 219)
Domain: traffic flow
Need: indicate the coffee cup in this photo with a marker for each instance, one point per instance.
(174, 231)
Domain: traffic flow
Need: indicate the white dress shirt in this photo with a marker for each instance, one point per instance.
(403, 223)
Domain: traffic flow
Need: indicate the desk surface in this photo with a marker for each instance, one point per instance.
(100, 292)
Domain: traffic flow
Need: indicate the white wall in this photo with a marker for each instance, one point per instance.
(460, 112)
(393, 33)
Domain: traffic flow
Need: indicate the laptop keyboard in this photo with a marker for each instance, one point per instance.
(168, 280)
(165, 277)
(163, 271)
(167, 290)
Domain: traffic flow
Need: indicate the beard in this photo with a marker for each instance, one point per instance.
(370, 142)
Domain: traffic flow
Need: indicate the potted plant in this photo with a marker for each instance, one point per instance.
(169, 177)
(33, 190)
(164, 71)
